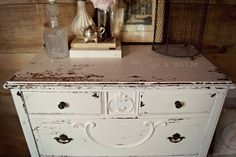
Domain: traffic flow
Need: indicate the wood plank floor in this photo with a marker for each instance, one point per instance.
(12, 141)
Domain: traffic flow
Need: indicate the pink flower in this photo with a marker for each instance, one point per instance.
(103, 4)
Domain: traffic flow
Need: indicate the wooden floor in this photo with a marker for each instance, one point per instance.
(12, 141)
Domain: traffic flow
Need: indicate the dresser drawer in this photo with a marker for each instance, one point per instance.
(116, 137)
(63, 102)
(176, 102)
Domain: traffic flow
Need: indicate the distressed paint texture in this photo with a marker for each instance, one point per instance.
(98, 121)
(138, 65)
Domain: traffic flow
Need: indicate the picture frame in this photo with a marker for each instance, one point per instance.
(136, 20)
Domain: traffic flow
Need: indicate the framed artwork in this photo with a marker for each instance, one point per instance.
(138, 20)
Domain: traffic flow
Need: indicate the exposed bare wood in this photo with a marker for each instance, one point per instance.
(138, 57)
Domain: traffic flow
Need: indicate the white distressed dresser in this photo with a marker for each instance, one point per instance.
(144, 105)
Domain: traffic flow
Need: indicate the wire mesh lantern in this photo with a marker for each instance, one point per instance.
(179, 27)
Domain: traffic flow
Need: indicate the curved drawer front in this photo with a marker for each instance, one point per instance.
(63, 102)
(115, 137)
(177, 102)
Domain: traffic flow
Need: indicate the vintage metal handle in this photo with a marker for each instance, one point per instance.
(102, 30)
(63, 139)
(178, 104)
(62, 105)
(176, 138)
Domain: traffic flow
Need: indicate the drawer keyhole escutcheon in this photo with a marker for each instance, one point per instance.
(176, 138)
(62, 105)
(178, 104)
(63, 139)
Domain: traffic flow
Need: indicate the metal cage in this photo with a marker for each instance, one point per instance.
(179, 27)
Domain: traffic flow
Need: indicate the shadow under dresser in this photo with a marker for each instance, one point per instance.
(144, 105)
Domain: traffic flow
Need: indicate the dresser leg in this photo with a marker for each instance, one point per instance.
(24, 120)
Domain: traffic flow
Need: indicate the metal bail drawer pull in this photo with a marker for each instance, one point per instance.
(63, 139)
(176, 138)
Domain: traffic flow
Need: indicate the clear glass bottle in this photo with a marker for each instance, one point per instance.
(55, 38)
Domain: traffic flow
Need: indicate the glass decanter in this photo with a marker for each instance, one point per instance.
(55, 38)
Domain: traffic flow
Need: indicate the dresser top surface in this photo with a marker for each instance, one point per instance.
(138, 65)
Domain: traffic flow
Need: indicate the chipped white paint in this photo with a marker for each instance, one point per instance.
(192, 101)
(144, 105)
(139, 65)
(75, 102)
(115, 137)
